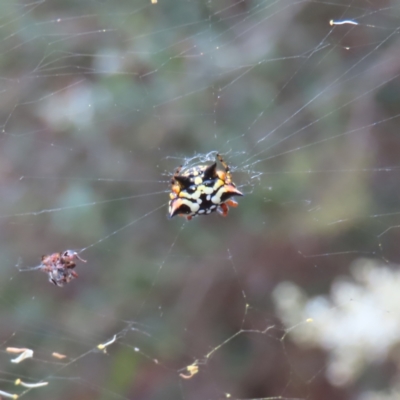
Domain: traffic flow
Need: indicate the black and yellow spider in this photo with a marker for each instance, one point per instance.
(201, 190)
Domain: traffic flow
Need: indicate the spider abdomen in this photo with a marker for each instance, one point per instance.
(201, 190)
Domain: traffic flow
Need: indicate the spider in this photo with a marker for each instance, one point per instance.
(201, 190)
(59, 266)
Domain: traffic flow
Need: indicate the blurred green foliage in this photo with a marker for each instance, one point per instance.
(102, 100)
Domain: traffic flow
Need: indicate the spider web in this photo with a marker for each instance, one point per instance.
(295, 294)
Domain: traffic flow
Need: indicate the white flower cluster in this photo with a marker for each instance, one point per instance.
(358, 324)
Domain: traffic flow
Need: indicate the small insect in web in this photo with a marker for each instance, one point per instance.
(60, 266)
(201, 190)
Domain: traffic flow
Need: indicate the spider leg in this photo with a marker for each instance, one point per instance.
(231, 203)
(76, 255)
(74, 274)
(176, 173)
(228, 177)
(223, 209)
(222, 161)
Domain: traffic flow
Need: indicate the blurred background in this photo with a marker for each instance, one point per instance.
(296, 293)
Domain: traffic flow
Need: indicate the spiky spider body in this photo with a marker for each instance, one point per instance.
(201, 190)
(59, 266)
